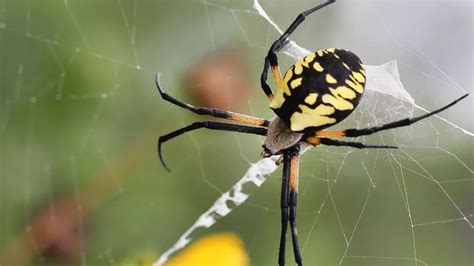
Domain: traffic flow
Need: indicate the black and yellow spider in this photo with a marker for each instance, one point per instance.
(317, 92)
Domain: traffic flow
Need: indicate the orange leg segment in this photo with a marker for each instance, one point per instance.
(294, 172)
(331, 134)
(313, 140)
(246, 119)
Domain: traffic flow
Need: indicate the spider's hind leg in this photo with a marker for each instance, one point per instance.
(210, 111)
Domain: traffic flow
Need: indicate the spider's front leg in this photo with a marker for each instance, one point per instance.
(210, 111)
(284, 207)
(289, 194)
(219, 126)
(271, 60)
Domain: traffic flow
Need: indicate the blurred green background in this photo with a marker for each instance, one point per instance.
(80, 116)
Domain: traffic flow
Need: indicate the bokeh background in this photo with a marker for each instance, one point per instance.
(80, 181)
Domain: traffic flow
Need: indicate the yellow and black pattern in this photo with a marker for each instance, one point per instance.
(320, 90)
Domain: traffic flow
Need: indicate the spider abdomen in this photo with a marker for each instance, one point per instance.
(320, 90)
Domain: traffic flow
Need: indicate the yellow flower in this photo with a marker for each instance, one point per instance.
(218, 249)
(224, 249)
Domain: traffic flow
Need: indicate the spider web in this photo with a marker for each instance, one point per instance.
(77, 107)
(383, 81)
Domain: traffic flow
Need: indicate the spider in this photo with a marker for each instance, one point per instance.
(317, 92)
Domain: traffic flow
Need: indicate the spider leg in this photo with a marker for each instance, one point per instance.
(284, 207)
(289, 193)
(292, 202)
(210, 111)
(332, 142)
(271, 60)
(209, 125)
(371, 130)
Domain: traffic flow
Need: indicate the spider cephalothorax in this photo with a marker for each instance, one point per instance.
(279, 138)
(317, 92)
